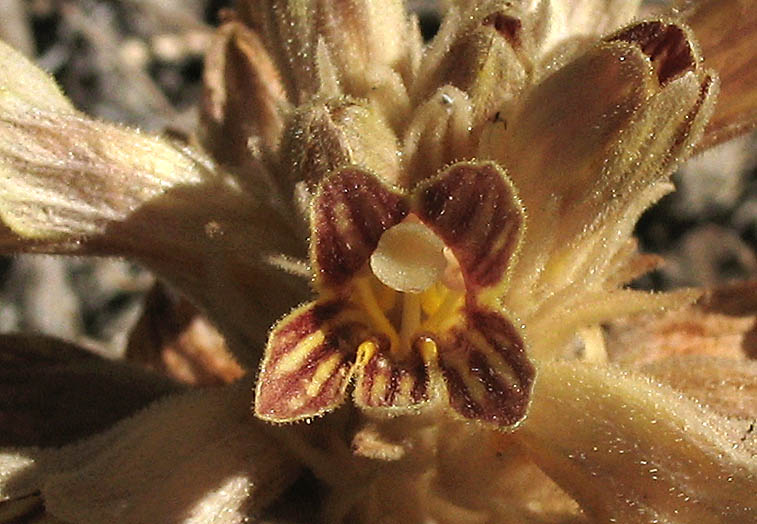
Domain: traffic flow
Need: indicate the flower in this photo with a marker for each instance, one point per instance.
(316, 349)
(469, 206)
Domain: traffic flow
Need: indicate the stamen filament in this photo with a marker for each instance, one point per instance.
(375, 314)
(411, 320)
(451, 302)
(385, 296)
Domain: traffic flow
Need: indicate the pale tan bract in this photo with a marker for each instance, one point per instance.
(585, 111)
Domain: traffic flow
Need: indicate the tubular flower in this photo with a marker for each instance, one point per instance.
(454, 219)
(389, 317)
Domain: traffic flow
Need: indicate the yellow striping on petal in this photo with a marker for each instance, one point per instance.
(294, 359)
(323, 373)
(378, 388)
(342, 217)
(474, 386)
(405, 390)
(296, 402)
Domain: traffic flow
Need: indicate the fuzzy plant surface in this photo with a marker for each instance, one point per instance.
(416, 256)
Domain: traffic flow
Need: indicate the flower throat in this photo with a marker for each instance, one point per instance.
(414, 286)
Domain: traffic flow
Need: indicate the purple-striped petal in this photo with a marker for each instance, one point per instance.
(473, 209)
(308, 362)
(486, 370)
(352, 208)
(668, 46)
(383, 383)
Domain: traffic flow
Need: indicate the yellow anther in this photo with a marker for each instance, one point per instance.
(428, 350)
(365, 352)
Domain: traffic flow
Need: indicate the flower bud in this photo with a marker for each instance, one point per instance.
(592, 145)
(725, 30)
(360, 36)
(487, 57)
(364, 37)
(439, 134)
(341, 132)
(244, 96)
(288, 31)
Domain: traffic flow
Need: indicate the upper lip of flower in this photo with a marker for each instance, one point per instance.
(467, 342)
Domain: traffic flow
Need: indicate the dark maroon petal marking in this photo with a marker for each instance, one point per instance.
(504, 338)
(307, 363)
(460, 398)
(509, 27)
(486, 370)
(666, 45)
(351, 210)
(384, 384)
(473, 209)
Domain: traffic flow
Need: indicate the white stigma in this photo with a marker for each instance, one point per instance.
(409, 258)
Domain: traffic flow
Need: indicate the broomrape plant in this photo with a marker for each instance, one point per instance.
(441, 231)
